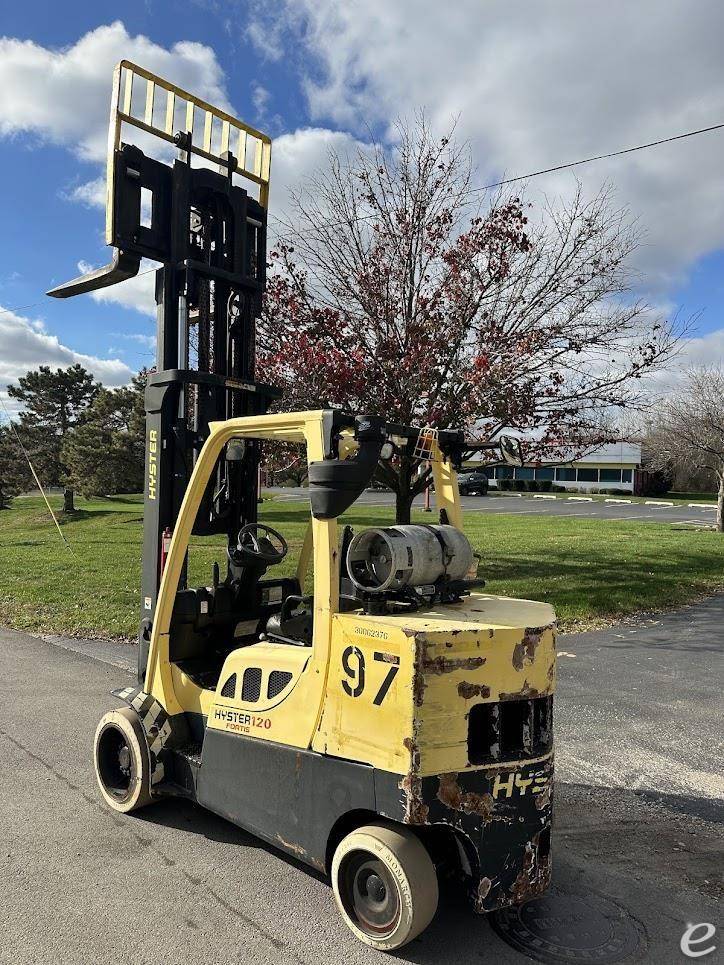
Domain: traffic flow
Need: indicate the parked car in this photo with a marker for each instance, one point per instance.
(473, 483)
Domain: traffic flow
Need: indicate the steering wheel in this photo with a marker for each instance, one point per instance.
(261, 543)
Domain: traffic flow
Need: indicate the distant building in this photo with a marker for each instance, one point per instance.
(613, 466)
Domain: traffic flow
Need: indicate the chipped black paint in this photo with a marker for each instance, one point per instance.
(509, 832)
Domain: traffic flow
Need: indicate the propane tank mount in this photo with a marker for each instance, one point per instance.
(411, 564)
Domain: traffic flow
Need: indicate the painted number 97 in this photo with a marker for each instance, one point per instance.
(353, 664)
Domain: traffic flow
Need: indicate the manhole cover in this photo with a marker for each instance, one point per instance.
(567, 928)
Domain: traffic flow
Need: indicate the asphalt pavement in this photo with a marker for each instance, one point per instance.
(637, 827)
(540, 505)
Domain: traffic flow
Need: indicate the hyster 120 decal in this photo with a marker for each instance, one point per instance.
(241, 721)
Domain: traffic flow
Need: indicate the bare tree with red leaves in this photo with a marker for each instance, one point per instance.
(394, 295)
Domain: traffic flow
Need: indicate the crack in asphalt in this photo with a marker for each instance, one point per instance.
(149, 844)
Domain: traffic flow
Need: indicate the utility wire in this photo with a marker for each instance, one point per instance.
(35, 477)
(535, 174)
(487, 187)
(598, 157)
(24, 308)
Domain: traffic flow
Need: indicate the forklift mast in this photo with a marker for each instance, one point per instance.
(208, 232)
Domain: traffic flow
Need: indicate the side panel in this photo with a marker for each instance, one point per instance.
(269, 691)
(291, 798)
(368, 706)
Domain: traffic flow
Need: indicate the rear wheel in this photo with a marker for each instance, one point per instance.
(122, 761)
(385, 885)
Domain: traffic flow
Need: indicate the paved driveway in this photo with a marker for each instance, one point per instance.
(638, 720)
(697, 515)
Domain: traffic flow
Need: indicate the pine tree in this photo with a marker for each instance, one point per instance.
(15, 475)
(54, 403)
(104, 454)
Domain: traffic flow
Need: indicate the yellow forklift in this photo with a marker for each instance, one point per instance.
(376, 715)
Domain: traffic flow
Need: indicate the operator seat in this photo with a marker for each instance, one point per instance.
(293, 622)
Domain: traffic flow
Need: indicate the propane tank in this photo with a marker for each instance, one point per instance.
(390, 557)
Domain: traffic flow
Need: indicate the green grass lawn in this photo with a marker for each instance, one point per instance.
(592, 571)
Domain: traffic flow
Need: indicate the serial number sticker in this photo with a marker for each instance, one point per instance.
(245, 627)
(371, 632)
(271, 594)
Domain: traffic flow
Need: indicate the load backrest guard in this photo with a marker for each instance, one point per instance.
(206, 225)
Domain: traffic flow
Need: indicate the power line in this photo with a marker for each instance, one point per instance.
(550, 170)
(598, 157)
(19, 308)
(24, 308)
(487, 187)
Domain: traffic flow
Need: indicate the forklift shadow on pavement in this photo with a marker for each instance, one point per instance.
(610, 880)
(189, 817)
(631, 871)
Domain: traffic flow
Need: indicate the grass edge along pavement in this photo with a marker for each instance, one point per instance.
(593, 571)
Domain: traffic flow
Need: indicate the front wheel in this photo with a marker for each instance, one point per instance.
(385, 885)
(122, 764)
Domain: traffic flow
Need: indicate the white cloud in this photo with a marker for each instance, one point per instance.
(534, 85)
(136, 293)
(703, 350)
(90, 193)
(148, 341)
(63, 95)
(298, 155)
(265, 35)
(26, 345)
(260, 98)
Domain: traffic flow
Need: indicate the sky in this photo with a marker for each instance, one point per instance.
(529, 85)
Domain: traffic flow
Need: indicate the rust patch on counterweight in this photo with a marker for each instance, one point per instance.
(442, 664)
(525, 692)
(524, 652)
(468, 802)
(535, 876)
(416, 811)
(467, 690)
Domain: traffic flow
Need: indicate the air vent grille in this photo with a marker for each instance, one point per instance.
(278, 680)
(251, 687)
(229, 687)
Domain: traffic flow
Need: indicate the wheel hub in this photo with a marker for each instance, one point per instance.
(124, 759)
(375, 888)
(115, 762)
(372, 896)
